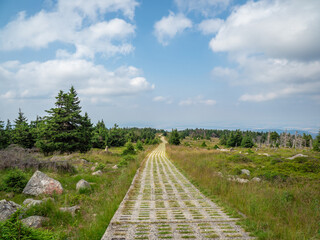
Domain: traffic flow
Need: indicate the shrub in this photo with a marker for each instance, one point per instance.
(100, 166)
(14, 229)
(14, 181)
(203, 144)
(139, 146)
(239, 158)
(216, 147)
(129, 149)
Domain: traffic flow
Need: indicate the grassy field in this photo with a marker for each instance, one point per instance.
(284, 205)
(97, 206)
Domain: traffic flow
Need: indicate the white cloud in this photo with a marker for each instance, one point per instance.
(75, 22)
(37, 80)
(275, 46)
(278, 29)
(210, 26)
(205, 7)
(168, 27)
(166, 100)
(199, 100)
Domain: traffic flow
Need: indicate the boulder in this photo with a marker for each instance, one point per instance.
(29, 202)
(256, 179)
(71, 210)
(40, 183)
(245, 171)
(97, 173)
(7, 208)
(34, 221)
(83, 184)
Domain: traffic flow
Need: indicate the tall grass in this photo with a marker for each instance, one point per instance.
(275, 209)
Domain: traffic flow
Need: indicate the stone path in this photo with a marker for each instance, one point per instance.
(162, 204)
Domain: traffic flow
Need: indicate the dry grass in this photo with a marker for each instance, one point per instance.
(286, 209)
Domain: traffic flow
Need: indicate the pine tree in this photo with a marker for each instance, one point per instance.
(99, 135)
(21, 134)
(316, 143)
(116, 137)
(174, 137)
(65, 130)
(3, 136)
(247, 142)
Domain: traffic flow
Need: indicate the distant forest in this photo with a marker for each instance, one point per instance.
(66, 129)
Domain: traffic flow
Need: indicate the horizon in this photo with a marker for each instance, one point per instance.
(213, 64)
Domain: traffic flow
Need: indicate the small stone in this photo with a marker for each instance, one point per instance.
(256, 179)
(220, 174)
(298, 155)
(245, 171)
(93, 168)
(242, 180)
(115, 167)
(7, 208)
(40, 183)
(97, 173)
(71, 210)
(83, 184)
(34, 221)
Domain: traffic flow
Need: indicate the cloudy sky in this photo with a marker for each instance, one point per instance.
(164, 64)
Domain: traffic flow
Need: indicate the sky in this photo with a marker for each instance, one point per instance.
(165, 64)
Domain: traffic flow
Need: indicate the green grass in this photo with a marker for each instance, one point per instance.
(285, 205)
(97, 206)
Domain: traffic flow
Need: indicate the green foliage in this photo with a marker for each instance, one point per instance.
(4, 136)
(234, 139)
(139, 145)
(316, 143)
(116, 137)
(125, 160)
(14, 181)
(14, 229)
(129, 150)
(247, 142)
(174, 138)
(216, 147)
(22, 134)
(99, 135)
(203, 144)
(65, 130)
(100, 166)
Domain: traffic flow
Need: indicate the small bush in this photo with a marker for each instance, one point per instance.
(14, 181)
(100, 166)
(129, 149)
(238, 158)
(139, 145)
(203, 144)
(14, 229)
(216, 147)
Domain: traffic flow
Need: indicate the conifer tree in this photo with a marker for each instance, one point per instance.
(247, 142)
(65, 130)
(174, 137)
(99, 135)
(21, 134)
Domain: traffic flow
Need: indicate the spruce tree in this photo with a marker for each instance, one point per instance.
(65, 130)
(247, 142)
(21, 134)
(174, 137)
(99, 135)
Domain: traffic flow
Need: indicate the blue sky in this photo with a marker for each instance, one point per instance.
(165, 64)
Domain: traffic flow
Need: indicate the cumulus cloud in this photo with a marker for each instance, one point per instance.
(74, 22)
(210, 26)
(168, 27)
(40, 80)
(275, 46)
(205, 7)
(199, 100)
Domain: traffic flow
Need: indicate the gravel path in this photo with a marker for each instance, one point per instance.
(162, 204)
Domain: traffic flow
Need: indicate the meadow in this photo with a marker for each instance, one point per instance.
(285, 204)
(97, 206)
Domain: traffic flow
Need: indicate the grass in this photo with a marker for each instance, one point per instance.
(97, 206)
(285, 205)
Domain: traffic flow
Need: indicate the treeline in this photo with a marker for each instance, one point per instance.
(248, 139)
(65, 129)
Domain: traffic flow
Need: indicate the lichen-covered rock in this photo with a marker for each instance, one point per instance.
(97, 173)
(115, 167)
(71, 210)
(34, 221)
(40, 183)
(83, 184)
(7, 208)
(256, 179)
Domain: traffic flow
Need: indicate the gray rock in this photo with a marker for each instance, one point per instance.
(83, 184)
(115, 167)
(97, 173)
(29, 202)
(40, 183)
(256, 179)
(245, 171)
(34, 221)
(71, 210)
(7, 208)
(93, 168)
